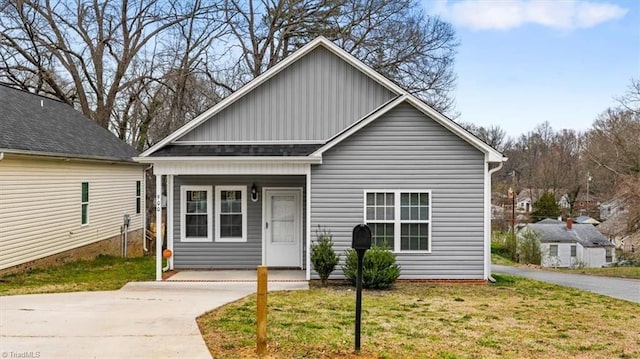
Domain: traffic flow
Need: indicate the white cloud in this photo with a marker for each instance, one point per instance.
(508, 14)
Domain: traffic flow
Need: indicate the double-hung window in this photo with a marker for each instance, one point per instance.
(231, 214)
(84, 203)
(553, 250)
(400, 219)
(196, 208)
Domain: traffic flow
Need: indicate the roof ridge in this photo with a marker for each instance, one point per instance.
(34, 94)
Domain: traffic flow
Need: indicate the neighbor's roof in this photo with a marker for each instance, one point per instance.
(549, 221)
(37, 125)
(585, 234)
(586, 220)
(402, 96)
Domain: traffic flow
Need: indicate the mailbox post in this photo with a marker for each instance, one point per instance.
(361, 241)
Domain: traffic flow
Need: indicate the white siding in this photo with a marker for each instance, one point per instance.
(594, 257)
(564, 255)
(40, 205)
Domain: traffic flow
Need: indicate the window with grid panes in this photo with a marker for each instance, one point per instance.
(401, 219)
(380, 218)
(196, 213)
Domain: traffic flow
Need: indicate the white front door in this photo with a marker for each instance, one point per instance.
(283, 227)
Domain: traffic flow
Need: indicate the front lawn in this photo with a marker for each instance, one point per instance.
(102, 273)
(515, 318)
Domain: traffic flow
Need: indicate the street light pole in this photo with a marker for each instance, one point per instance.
(513, 210)
(588, 181)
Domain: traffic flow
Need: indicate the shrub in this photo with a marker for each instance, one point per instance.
(529, 248)
(323, 258)
(379, 268)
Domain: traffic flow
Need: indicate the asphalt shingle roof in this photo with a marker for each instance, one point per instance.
(34, 124)
(237, 150)
(586, 234)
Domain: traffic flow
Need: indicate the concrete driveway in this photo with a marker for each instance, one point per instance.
(141, 320)
(621, 288)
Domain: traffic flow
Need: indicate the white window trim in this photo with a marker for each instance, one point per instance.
(183, 213)
(243, 190)
(396, 215)
(82, 203)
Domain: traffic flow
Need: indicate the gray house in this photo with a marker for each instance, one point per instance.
(322, 140)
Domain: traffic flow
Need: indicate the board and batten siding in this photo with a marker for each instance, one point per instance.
(313, 99)
(40, 205)
(405, 150)
(227, 255)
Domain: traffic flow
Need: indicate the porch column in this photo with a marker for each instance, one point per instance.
(158, 227)
(308, 231)
(169, 233)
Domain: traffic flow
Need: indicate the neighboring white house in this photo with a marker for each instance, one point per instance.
(524, 204)
(564, 202)
(66, 185)
(611, 209)
(571, 245)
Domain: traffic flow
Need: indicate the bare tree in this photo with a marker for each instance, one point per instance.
(392, 36)
(100, 55)
(144, 68)
(494, 135)
(545, 160)
(613, 145)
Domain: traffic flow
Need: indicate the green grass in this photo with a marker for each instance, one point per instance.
(498, 259)
(514, 318)
(102, 273)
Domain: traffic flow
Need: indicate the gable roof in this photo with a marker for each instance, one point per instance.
(36, 125)
(585, 234)
(586, 220)
(403, 96)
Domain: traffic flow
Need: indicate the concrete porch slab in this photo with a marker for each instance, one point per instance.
(274, 275)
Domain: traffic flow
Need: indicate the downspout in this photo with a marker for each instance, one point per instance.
(487, 246)
(1, 156)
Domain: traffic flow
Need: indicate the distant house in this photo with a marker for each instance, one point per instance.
(323, 140)
(610, 209)
(524, 204)
(586, 220)
(570, 245)
(66, 185)
(564, 202)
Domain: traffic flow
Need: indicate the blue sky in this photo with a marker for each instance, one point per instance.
(523, 62)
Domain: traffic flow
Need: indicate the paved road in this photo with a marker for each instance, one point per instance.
(141, 320)
(627, 289)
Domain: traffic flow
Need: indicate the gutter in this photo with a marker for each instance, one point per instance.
(65, 156)
(487, 245)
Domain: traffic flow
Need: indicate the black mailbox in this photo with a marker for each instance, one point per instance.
(361, 237)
